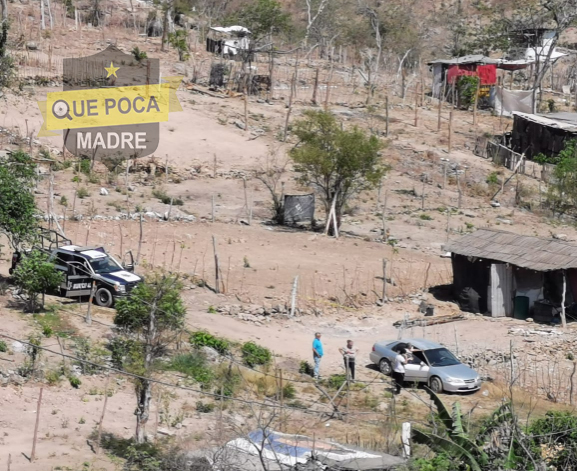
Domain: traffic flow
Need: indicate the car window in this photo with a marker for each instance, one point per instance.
(105, 265)
(78, 265)
(418, 357)
(441, 357)
(62, 259)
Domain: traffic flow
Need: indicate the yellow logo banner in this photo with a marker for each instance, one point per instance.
(112, 106)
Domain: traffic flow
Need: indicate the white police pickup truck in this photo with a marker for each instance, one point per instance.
(84, 266)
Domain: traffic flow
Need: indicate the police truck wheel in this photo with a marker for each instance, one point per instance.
(103, 298)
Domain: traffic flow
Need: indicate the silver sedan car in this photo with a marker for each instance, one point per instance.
(432, 364)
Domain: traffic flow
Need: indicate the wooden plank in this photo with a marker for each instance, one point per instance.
(421, 321)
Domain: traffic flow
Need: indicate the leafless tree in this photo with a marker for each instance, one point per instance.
(270, 173)
(372, 61)
(313, 15)
(4, 8)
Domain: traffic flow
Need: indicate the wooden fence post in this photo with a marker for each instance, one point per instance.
(563, 318)
(416, 105)
(217, 280)
(281, 402)
(441, 98)
(450, 130)
(384, 300)
(294, 295)
(88, 318)
(102, 415)
(316, 87)
(33, 453)
(477, 102)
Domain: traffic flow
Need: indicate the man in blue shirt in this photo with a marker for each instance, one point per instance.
(317, 353)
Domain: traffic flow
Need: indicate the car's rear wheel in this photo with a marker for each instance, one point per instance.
(436, 384)
(103, 297)
(385, 366)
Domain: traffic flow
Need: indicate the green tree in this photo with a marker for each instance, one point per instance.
(17, 205)
(149, 320)
(6, 62)
(555, 436)
(499, 443)
(263, 17)
(34, 275)
(562, 191)
(178, 41)
(338, 163)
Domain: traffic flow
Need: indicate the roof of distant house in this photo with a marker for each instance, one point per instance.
(230, 29)
(534, 253)
(470, 59)
(563, 120)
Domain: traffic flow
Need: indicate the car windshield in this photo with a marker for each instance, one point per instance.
(441, 357)
(104, 265)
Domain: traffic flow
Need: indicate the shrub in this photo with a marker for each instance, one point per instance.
(164, 198)
(138, 54)
(3, 347)
(52, 377)
(493, 178)
(306, 368)
(93, 178)
(425, 217)
(336, 381)
(82, 192)
(204, 408)
(289, 391)
(63, 201)
(84, 166)
(201, 338)
(74, 381)
(193, 365)
(93, 354)
(255, 355)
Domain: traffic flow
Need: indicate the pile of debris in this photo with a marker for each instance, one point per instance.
(260, 314)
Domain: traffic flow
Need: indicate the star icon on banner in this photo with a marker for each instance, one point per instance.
(111, 70)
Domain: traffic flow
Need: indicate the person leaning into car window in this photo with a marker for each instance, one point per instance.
(399, 370)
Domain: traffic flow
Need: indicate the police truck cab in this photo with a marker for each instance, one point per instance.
(84, 267)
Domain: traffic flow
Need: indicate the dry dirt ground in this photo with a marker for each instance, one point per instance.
(340, 280)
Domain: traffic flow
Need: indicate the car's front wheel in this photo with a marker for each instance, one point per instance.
(436, 384)
(103, 297)
(385, 366)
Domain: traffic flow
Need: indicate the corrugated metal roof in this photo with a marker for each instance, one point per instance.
(563, 121)
(470, 59)
(529, 252)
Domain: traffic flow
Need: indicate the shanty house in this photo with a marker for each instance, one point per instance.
(448, 70)
(505, 274)
(533, 134)
(228, 41)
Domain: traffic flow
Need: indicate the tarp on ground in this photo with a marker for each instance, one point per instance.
(290, 450)
(509, 101)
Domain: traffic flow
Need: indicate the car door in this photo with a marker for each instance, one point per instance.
(61, 261)
(79, 277)
(417, 369)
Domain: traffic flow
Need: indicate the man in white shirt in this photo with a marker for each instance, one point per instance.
(349, 353)
(399, 372)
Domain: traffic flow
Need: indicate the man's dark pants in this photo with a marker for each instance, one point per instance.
(351, 363)
(398, 378)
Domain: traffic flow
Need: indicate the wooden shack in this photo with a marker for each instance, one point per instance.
(535, 134)
(505, 274)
